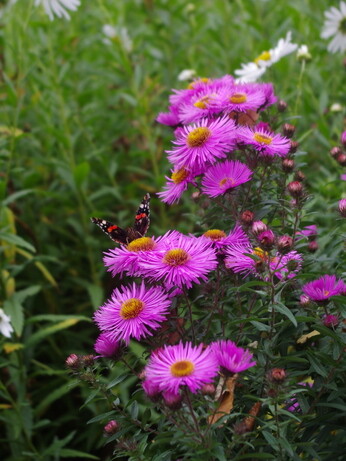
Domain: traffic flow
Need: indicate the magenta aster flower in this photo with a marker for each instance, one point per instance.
(202, 104)
(177, 184)
(185, 260)
(309, 231)
(265, 142)
(225, 176)
(170, 118)
(268, 90)
(343, 138)
(181, 365)
(322, 289)
(105, 346)
(220, 239)
(230, 357)
(343, 177)
(331, 321)
(133, 312)
(286, 266)
(342, 207)
(203, 142)
(240, 98)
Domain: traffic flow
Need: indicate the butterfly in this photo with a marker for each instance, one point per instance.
(138, 230)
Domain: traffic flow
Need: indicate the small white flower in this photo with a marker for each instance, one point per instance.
(5, 324)
(120, 33)
(336, 107)
(186, 74)
(58, 7)
(335, 25)
(251, 71)
(303, 53)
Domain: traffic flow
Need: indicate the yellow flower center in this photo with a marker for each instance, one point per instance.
(182, 368)
(215, 234)
(179, 176)
(131, 308)
(192, 85)
(265, 56)
(176, 257)
(238, 98)
(262, 138)
(202, 103)
(198, 136)
(260, 253)
(326, 292)
(141, 244)
(226, 182)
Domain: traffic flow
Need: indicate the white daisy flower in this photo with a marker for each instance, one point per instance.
(120, 33)
(335, 25)
(58, 7)
(5, 324)
(186, 74)
(251, 71)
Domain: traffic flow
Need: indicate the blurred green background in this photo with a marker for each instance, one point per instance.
(78, 138)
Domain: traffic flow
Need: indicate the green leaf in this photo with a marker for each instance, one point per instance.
(116, 381)
(14, 309)
(80, 173)
(17, 241)
(257, 456)
(55, 395)
(69, 453)
(279, 307)
(260, 326)
(48, 331)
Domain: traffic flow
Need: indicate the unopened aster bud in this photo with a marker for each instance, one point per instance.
(73, 361)
(341, 159)
(288, 130)
(247, 218)
(276, 375)
(282, 105)
(299, 176)
(171, 400)
(294, 147)
(330, 321)
(304, 301)
(342, 207)
(195, 195)
(288, 165)
(335, 151)
(152, 390)
(295, 189)
(88, 360)
(267, 160)
(111, 428)
(208, 389)
(266, 239)
(343, 138)
(313, 246)
(258, 227)
(285, 243)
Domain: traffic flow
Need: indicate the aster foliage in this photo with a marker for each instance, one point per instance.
(209, 309)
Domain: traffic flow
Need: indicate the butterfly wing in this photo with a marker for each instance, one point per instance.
(142, 218)
(116, 233)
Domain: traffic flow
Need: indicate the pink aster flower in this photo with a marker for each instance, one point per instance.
(133, 312)
(286, 266)
(309, 231)
(181, 365)
(342, 207)
(170, 118)
(127, 257)
(177, 184)
(203, 142)
(343, 138)
(202, 104)
(269, 94)
(240, 98)
(225, 176)
(265, 142)
(343, 177)
(331, 321)
(105, 346)
(322, 289)
(230, 357)
(185, 260)
(220, 239)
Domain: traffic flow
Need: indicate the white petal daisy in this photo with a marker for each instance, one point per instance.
(335, 26)
(58, 7)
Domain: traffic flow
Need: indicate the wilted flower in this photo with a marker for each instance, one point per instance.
(334, 26)
(58, 7)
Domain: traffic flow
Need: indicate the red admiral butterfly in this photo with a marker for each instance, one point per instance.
(138, 230)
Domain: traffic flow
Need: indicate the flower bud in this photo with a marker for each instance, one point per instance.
(282, 105)
(299, 176)
(258, 227)
(341, 159)
(342, 207)
(195, 195)
(88, 360)
(295, 189)
(172, 400)
(208, 389)
(294, 147)
(266, 239)
(288, 130)
(288, 165)
(276, 375)
(335, 151)
(312, 246)
(285, 243)
(73, 361)
(111, 428)
(151, 390)
(304, 301)
(330, 321)
(247, 217)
